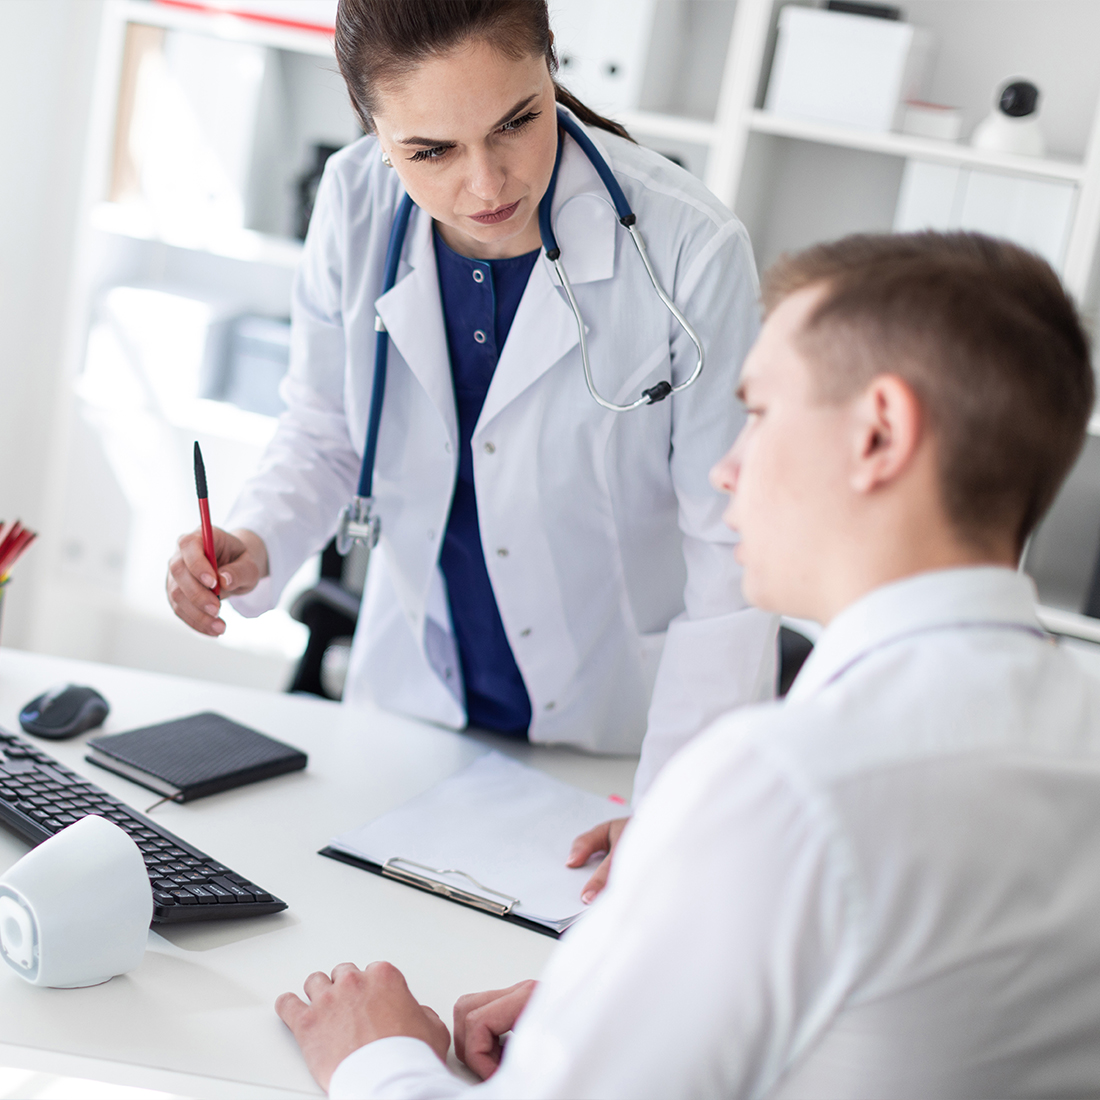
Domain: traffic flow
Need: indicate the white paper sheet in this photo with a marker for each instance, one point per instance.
(508, 826)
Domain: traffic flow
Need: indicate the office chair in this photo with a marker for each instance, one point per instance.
(330, 609)
(794, 648)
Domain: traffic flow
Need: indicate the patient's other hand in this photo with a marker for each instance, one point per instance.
(603, 838)
(481, 1019)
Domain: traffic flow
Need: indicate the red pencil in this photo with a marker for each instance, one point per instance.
(13, 541)
(204, 515)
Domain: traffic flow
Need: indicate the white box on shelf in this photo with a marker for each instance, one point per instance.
(849, 70)
(932, 120)
(603, 49)
(1034, 213)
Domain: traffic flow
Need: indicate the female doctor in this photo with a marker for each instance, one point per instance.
(547, 567)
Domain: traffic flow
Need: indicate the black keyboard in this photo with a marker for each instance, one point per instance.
(40, 796)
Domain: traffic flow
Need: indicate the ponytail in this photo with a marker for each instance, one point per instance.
(586, 114)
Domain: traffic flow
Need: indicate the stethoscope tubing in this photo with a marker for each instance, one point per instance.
(382, 346)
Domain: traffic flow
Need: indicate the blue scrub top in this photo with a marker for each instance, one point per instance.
(480, 299)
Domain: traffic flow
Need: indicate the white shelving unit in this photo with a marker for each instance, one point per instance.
(748, 150)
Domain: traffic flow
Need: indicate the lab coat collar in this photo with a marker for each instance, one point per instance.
(583, 216)
(413, 315)
(942, 598)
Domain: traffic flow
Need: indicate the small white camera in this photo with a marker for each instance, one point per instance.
(75, 911)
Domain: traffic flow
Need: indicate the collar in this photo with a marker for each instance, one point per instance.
(940, 600)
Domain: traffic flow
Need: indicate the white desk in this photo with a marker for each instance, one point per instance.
(196, 1018)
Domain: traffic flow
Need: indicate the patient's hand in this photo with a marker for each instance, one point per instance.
(481, 1019)
(355, 1007)
(603, 838)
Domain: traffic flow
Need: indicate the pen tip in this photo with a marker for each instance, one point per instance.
(200, 473)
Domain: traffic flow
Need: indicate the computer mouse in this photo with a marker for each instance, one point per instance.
(64, 711)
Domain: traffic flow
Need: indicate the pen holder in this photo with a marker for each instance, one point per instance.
(75, 911)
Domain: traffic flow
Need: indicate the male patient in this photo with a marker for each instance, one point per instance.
(889, 884)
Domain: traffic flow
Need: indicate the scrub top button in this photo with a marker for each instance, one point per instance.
(479, 275)
(479, 336)
(490, 448)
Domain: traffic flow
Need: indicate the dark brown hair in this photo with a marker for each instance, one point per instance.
(989, 341)
(380, 41)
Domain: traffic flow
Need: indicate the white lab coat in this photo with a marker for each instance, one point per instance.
(604, 542)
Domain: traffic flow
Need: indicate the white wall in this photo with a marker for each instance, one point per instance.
(47, 58)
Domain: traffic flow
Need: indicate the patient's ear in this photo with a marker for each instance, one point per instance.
(887, 428)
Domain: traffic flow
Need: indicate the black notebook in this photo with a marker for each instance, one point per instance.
(195, 756)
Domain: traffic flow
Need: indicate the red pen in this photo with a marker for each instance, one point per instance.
(204, 515)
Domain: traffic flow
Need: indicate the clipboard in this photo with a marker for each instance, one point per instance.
(493, 836)
(430, 885)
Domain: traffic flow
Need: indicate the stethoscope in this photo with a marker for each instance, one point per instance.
(357, 524)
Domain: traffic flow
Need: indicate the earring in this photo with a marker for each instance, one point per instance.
(386, 160)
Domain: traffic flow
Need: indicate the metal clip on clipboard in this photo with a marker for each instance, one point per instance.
(498, 908)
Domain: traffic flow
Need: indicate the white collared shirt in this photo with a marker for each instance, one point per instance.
(887, 886)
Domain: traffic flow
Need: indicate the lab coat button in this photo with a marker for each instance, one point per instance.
(447, 446)
(502, 552)
(479, 336)
(549, 706)
(526, 633)
(479, 275)
(490, 449)
(431, 534)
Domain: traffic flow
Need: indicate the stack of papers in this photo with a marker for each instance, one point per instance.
(496, 831)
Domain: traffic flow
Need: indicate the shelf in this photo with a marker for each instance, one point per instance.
(653, 125)
(240, 244)
(904, 145)
(229, 27)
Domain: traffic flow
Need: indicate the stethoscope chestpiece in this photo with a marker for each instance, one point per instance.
(358, 526)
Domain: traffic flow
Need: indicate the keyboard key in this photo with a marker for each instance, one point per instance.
(220, 892)
(185, 897)
(204, 895)
(162, 898)
(238, 892)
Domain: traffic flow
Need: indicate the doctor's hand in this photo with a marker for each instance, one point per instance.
(482, 1018)
(354, 1007)
(603, 838)
(242, 564)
